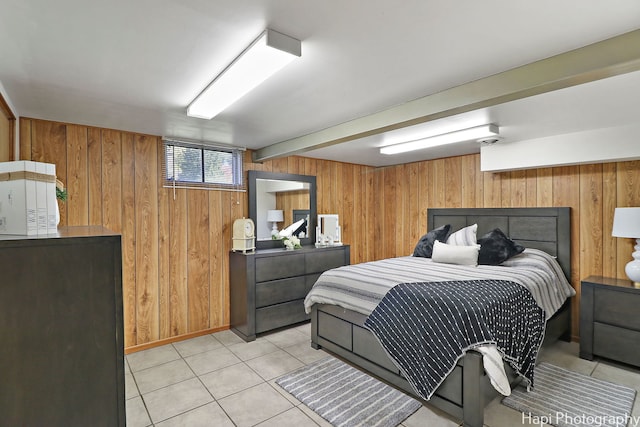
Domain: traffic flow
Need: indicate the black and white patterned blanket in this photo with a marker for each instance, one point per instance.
(427, 327)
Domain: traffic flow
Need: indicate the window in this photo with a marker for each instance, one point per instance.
(188, 164)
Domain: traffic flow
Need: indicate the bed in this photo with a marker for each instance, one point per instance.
(467, 389)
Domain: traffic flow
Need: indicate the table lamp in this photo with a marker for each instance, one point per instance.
(275, 216)
(626, 223)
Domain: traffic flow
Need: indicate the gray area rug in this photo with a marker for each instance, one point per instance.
(565, 398)
(346, 397)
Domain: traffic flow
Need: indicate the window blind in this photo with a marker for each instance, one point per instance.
(202, 165)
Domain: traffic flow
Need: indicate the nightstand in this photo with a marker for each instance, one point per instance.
(610, 319)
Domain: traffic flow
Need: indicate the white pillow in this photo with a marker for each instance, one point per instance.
(464, 237)
(455, 254)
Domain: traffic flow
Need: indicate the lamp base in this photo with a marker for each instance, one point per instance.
(633, 267)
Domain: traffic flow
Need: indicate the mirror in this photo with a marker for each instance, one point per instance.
(328, 230)
(294, 195)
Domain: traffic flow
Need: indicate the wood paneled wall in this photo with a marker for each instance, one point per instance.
(175, 245)
(592, 191)
(7, 131)
(290, 200)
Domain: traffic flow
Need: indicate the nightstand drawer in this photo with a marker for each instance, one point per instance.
(616, 308)
(616, 343)
(283, 290)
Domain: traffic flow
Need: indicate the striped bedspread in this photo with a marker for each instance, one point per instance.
(360, 287)
(426, 327)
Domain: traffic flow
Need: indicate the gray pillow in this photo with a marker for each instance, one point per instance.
(424, 247)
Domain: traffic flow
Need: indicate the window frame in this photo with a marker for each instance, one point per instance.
(237, 168)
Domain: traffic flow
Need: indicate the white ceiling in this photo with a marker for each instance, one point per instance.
(135, 65)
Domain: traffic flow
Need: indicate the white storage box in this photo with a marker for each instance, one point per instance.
(24, 192)
(52, 200)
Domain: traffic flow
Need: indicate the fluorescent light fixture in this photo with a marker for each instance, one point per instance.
(264, 57)
(446, 138)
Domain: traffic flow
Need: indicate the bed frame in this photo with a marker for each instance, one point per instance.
(467, 390)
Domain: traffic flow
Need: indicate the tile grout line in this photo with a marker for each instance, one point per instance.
(244, 362)
(204, 385)
(265, 381)
(181, 357)
(144, 403)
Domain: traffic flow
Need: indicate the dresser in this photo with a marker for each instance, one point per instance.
(61, 329)
(609, 321)
(268, 287)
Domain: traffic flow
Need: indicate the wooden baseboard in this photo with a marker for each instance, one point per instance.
(146, 346)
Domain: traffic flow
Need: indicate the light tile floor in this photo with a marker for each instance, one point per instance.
(219, 380)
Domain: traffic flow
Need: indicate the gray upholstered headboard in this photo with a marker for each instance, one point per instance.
(547, 229)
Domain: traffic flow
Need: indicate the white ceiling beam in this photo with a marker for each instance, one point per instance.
(611, 57)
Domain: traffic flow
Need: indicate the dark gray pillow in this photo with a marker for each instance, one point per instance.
(496, 248)
(424, 247)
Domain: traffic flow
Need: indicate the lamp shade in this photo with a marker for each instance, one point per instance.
(626, 223)
(275, 215)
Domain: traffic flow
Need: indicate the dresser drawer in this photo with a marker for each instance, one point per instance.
(310, 280)
(283, 290)
(268, 287)
(616, 343)
(616, 308)
(276, 316)
(324, 260)
(279, 267)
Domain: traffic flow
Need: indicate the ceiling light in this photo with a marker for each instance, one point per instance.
(469, 134)
(263, 58)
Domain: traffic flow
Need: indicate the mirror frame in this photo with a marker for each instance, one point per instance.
(337, 232)
(311, 227)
